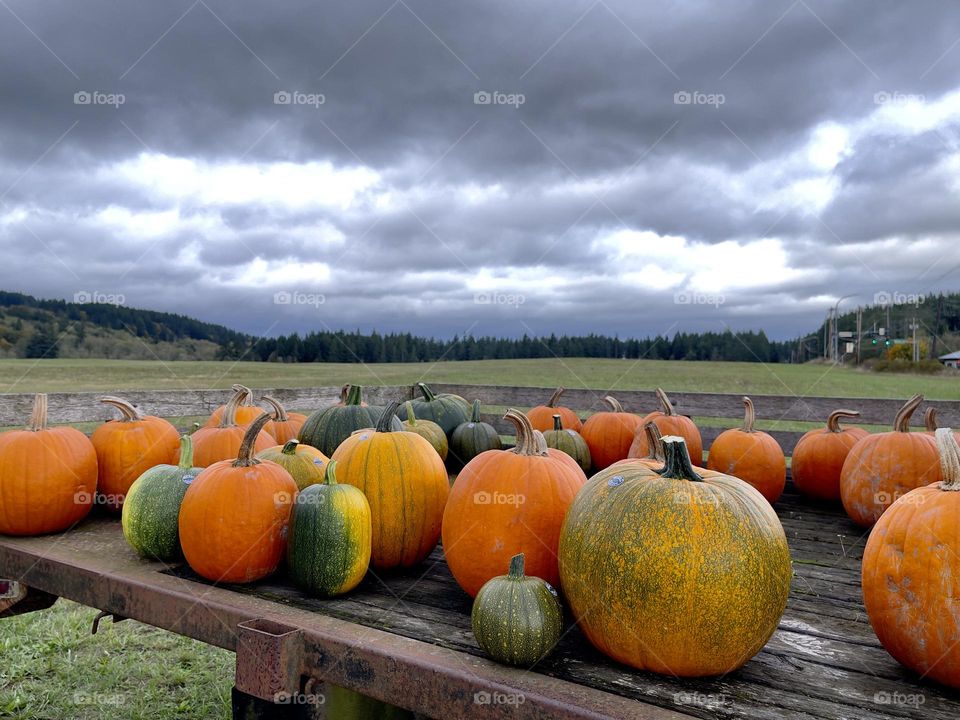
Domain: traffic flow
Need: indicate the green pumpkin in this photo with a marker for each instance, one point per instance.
(328, 548)
(569, 441)
(306, 464)
(471, 438)
(445, 409)
(152, 506)
(516, 619)
(427, 429)
(326, 429)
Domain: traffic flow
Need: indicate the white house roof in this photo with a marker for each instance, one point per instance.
(951, 356)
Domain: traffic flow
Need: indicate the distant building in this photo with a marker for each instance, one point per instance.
(950, 359)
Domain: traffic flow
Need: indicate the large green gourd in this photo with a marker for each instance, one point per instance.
(569, 441)
(152, 506)
(328, 549)
(471, 438)
(327, 428)
(446, 410)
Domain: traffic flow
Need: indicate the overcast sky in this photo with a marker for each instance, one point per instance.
(489, 167)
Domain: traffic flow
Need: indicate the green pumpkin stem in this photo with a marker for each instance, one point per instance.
(279, 411)
(902, 422)
(516, 567)
(475, 417)
(678, 465)
(930, 419)
(186, 452)
(665, 404)
(555, 398)
(527, 441)
(426, 392)
(290, 447)
(355, 396)
(385, 423)
(330, 475)
(127, 410)
(246, 458)
(557, 423)
(411, 415)
(749, 415)
(614, 404)
(38, 418)
(833, 419)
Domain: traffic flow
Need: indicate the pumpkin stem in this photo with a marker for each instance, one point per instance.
(38, 418)
(229, 417)
(516, 566)
(245, 458)
(557, 423)
(526, 437)
(244, 391)
(186, 452)
(330, 475)
(833, 419)
(355, 396)
(654, 442)
(902, 422)
(279, 412)
(614, 404)
(678, 465)
(749, 415)
(411, 416)
(555, 398)
(426, 392)
(930, 419)
(344, 393)
(475, 417)
(290, 447)
(128, 411)
(949, 459)
(665, 402)
(385, 423)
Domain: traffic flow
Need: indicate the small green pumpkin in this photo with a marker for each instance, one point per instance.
(471, 438)
(325, 429)
(569, 441)
(152, 506)
(426, 429)
(306, 464)
(446, 410)
(516, 619)
(328, 549)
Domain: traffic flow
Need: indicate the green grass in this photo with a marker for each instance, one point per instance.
(52, 667)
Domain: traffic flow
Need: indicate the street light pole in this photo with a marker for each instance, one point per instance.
(835, 345)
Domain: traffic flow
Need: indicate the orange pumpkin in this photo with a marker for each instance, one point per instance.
(128, 447)
(48, 476)
(222, 442)
(285, 425)
(751, 455)
(818, 457)
(506, 502)
(911, 573)
(669, 423)
(541, 417)
(883, 466)
(234, 516)
(245, 413)
(609, 434)
(406, 485)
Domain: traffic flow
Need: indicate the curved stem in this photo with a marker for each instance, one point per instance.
(229, 417)
(526, 439)
(475, 417)
(749, 415)
(355, 396)
(330, 476)
(243, 390)
(127, 410)
(385, 423)
(665, 403)
(902, 422)
(654, 442)
(614, 404)
(245, 458)
(949, 459)
(678, 466)
(38, 418)
(186, 452)
(555, 398)
(557, 423)
(516, 567)
(540, 441)
(930, 419)
(290, 447)
(833, 419)
(344, 393)
(411, 416)
(426, 392)
(279, 412)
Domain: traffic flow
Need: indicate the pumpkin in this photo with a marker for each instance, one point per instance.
(345, 396)
(505, 502)
(446, 410)
(285, 425)
(541, 416)
(911, 573)
(327, 428)
(883, 466)
(609, 434)
(517, 619)
(682, 572)
(750, 455)
(234, 517)
(328, 551)
(128, 447)
(48, 476)
(245, 413)
(306, 464)
(222, 442)
(152, 506)
(654, 456)
(426, 429)
(818, 457)
(569, 442)
(471, 438)
(406, 485)
(669, 423)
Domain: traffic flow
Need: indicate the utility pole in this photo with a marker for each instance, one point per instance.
(826, 327)
(916, 348)
(859, 331)
(936, 328)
